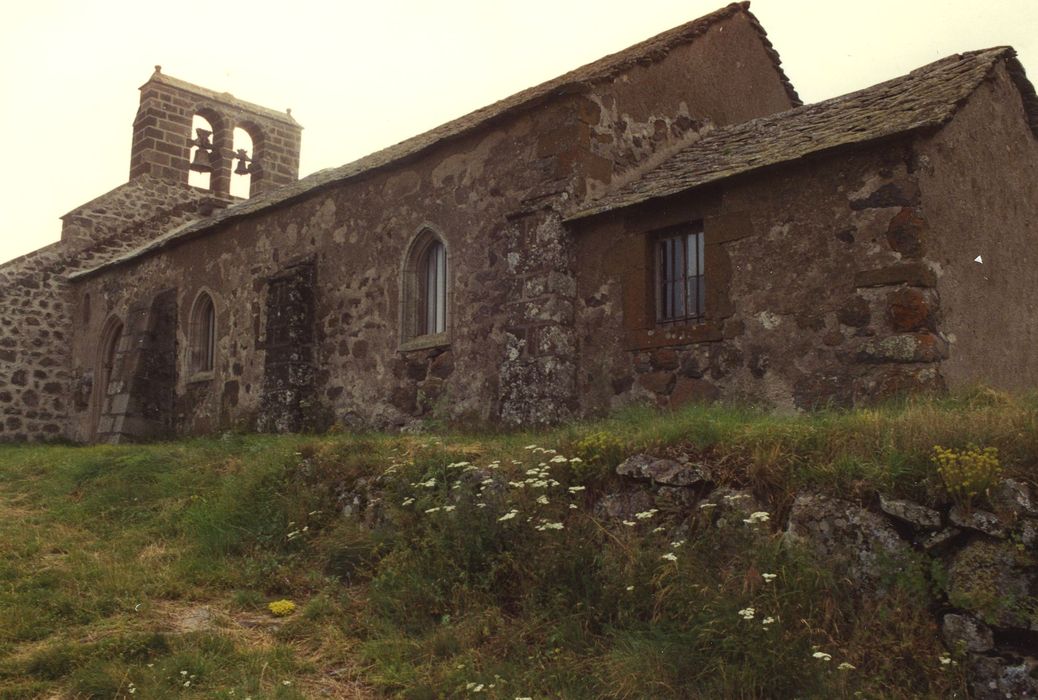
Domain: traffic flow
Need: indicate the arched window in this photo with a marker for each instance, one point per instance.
(111, 334)
(202, 341)
(425, 291)
(203, 157)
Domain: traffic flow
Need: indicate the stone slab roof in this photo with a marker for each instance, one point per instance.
(926, 98)
(574, 82)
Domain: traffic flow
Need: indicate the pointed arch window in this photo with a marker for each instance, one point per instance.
(202, 345)
(426, 292)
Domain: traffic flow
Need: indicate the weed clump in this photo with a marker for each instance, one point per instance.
(967, 473)
(281, 608)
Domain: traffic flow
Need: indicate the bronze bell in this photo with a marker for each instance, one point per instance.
(242, 168)
(202, 161)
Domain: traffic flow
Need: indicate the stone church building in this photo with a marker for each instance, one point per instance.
(667, 224)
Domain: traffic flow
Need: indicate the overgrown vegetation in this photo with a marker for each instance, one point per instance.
(470, 565)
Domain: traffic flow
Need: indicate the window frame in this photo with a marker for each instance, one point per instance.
(202, 337)
(691, 239)
(427, 264)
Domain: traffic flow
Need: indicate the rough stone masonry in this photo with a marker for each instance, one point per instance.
(516, 265)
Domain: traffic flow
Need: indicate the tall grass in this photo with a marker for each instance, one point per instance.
(413, 580)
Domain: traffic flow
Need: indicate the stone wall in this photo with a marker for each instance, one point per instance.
(816, 292)
(35, 332)
(979, 181)
(40, 315)
(493, 194)
(974, 563)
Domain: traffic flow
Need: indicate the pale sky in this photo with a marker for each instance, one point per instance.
(361, 76)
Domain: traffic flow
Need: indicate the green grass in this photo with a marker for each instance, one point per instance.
(150, 567)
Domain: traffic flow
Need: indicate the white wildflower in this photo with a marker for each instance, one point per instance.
(542, 499)
(481, 505)
(630, 588)
(530, 447)
(846, 667)
(822, 655)
(576, 489)
(558, 459)
(768, 578)
(759, 516)
(747, 613)
(572, 506)
(432, 510)
(629, 523)
(448, 509)
(670, 556)
(575, 460)
(646, 514)
(658, 529)
(677, 543)
(767, 621)
(705, 506)
(509, 515)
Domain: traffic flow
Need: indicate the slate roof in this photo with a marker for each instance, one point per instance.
(926, 98)
(574, 82)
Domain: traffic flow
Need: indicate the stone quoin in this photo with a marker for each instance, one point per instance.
(668, 224)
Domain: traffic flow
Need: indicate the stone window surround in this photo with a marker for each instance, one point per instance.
(409, 292)
(195, 333)
(720, 225)
(109, 339)
(643, 330)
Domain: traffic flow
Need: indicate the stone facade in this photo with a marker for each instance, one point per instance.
(317, 284)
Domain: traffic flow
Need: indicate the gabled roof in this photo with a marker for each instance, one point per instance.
(926, 98)
(574, 82)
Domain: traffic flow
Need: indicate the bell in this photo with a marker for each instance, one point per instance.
(243, 165)
(202, 162)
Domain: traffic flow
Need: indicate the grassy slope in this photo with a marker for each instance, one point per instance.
(149, 568)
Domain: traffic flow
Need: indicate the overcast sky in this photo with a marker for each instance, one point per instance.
(361, 76)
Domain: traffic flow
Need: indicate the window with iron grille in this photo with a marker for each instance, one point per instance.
(680, 283)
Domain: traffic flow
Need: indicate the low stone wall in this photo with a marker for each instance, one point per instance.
(985, 602)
